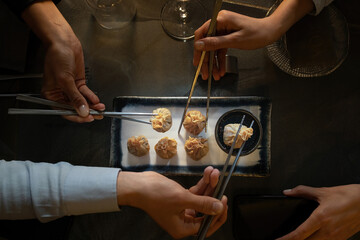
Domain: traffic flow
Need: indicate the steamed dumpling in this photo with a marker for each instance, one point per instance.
(166, 147)
(163, 121)
(196, 148)
(138, 145)
(194, 122)
(230, 131)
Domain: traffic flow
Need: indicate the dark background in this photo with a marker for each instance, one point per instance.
(314, 126)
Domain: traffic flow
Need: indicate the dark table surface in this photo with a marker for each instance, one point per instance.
(314, 123)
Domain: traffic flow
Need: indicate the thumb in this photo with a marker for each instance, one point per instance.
(77, 100)
(205, 204)
(212, 43)
(304, 192)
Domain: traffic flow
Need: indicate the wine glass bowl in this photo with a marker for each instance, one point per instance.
(180, 18)
(112, 14)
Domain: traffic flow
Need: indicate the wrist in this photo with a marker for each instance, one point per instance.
(128, 188)
(46, 21)
(274, 29)
(288, 13)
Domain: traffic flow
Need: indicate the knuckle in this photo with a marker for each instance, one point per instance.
(202, 204)
(76, 99)
(207, 206)
(77, 47)
(321, 217)
(222, 14)
(212, 42)
(299, 188)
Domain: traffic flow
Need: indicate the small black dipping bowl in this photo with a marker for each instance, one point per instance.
(235, 116)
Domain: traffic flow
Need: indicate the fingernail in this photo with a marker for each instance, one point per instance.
(287, 190)
(199, 45)
(83, 111)
(217, 207)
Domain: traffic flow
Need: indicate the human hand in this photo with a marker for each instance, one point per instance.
(336, 217)
(64, 79)
(169, 204)
(207, 184)
(239, 31)
(233, 30)
(206, 187)
(64, 70)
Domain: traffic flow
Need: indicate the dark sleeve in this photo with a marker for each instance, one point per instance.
(18, 6)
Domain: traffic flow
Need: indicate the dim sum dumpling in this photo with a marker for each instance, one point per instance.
(196, 148)
(163, 121)
(166, 147)
(138, 145)
(194, 122)
(230, 131)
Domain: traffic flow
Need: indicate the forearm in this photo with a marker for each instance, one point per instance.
(49, 191)
(46, 21)
(288, 13)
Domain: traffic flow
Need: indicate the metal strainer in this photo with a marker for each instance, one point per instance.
(315, 46)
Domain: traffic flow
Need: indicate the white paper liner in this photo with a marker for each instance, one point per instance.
(215, 156)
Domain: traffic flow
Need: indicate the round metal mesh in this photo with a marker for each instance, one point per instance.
(313, 47)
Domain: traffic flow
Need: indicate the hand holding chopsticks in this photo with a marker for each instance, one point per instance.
(67, 110)
(211, 32)
(221, 186)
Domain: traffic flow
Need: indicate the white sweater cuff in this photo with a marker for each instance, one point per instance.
(90, 190)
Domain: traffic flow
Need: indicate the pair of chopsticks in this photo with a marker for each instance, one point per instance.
(67, 110)
(211, 32)
(221, 186)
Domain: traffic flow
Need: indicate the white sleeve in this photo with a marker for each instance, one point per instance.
(319, 5)
(48, 191)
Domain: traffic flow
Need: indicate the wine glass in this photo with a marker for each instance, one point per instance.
(112, 14)
(180, 18)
